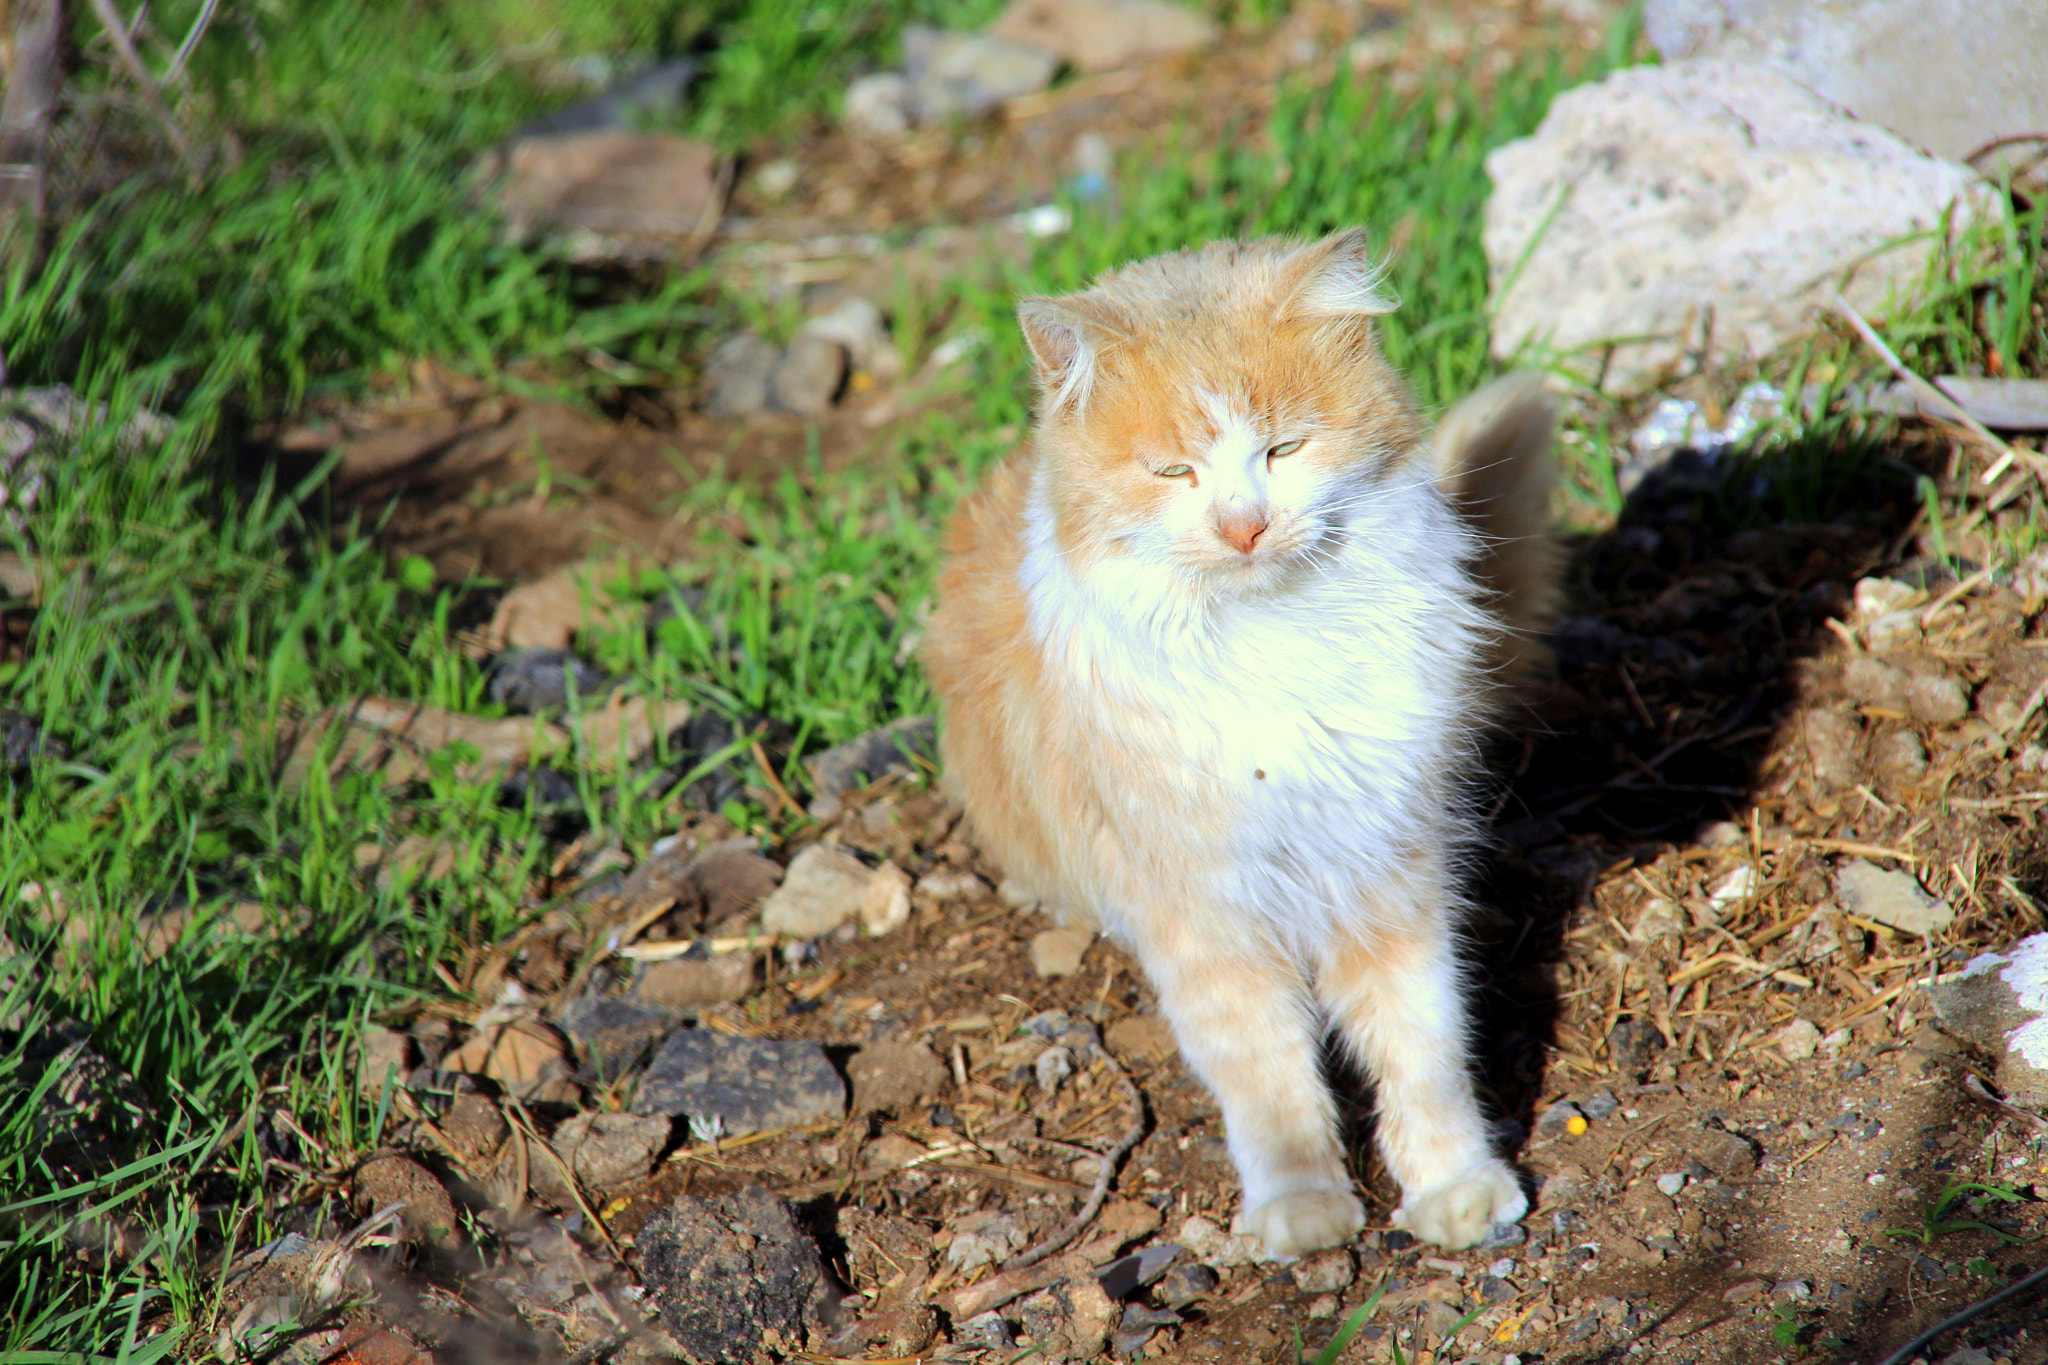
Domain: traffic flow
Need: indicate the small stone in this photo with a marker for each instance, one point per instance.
(474, 1128)
(1600, 1104)
(392, 1179)
(736, 376)
(894, 1077)
(1555, 1121)
(949, 884)
(1323, 1306)
(1058, 952)
(1186, 1284)
(532, 680)
(823, 889)
(1833, 741)
(1745, 1292)
(1141, 1038)
(1733, 889)
(1210, 1244)
(990, 1331)
(1936, 699)
(1871, 681)
(1126, 1275)
(1899, 755)
(1794, 1291)
(1102, 35)
(1054, 1065)
(727, 1271)
(1135, 1330)
(808, 377)
(605, 1150)
(885, 907)
(1894, 899)
(1725, 1154)
(614, 1035)
(741, 1085)
(623, 193)
(1324, 1272)
(858, 325)
(385, 1058)
(963, 74)
(687, 983)
(986, 1238)
(1798, 1040)
(524, 1056)
(1670, 1183)
(1633, 1045)
(1504, 1235)
(894, 748)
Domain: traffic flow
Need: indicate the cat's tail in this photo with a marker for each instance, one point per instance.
(1492, 457)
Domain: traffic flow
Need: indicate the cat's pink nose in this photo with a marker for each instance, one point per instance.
(1242, 529)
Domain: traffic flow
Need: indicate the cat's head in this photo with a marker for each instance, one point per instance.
(1218, 412)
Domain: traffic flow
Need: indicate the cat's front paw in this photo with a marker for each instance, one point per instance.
(1308, 1220)
(1460, 1213)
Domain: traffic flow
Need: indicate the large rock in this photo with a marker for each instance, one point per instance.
(1708, 200)
(733, 1274)
(960, 74)
(1951, 76)
(824, 889)
(740, 1085)
(2000, 1003)
(1100, 35)
(615, 194)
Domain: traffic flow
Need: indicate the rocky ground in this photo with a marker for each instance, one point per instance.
(840, 1100)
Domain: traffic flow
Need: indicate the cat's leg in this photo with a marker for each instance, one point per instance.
(1398, 999)
(1243, 1015)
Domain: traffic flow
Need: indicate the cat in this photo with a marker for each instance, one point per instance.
(1214, 653)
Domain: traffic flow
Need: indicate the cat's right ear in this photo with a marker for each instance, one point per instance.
(1065, 337)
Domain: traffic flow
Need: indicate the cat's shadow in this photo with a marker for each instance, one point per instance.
(1679, 656)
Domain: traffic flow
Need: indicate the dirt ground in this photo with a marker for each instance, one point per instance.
(1657, 927)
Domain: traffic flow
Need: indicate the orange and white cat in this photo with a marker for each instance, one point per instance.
(1215, 653)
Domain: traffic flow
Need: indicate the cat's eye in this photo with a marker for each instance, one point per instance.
(1174, 471)
(1284, 448)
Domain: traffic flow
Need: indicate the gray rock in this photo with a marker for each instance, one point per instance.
(878, 105)
(1136, 1328)
(743, 1085)
(1101, 35)
(1705, 198)
(961, 74)
(612, 1035)
(530, 680)
(985, 1238)
(1728, 1155)
(2000, 1003)
(1893, 899)
(894, 1077)
(894, 748)
(1834, 743)
(1126, 1275)
(858, 325)
(736, 376)
(1184, 1284)
(1633, 1045)
(687, 983)
(1947, 75)
(823, 889)
(808, 377)
(728, 1271)
(1600, 1104)
(1936, 699)
(1899, 755)
(616, 195)
(654, 94)
(1554, 1121)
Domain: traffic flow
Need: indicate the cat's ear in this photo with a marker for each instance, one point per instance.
(1338, 278)
(1066, 336)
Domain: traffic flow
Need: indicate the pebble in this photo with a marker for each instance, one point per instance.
(885, 906)
(892, 748)
(1324, 1272)
(1600, 1104)
(686, 983)
(736, 375)
(1894, 899)
(808, 376)
(604, 1149)
(824, 888)
(1058, 952)
(1555, 1121)
(1799, 1040)
(612, 1034)
(526, 681)
(964, 74)
(1185, 1284)
(1504, 1235)
(1209, 1243)
(857, 324)
(741, 1085)
(985, 1238)
(1936, 699)
(1671, 1183)
(1724, 1154)
(1102, 35)
(1126, 1275)
(894, 1077)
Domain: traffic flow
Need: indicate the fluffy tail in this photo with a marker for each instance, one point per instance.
(1493, 459)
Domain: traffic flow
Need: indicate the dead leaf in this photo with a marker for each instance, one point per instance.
(525, 1057)
(550, 612)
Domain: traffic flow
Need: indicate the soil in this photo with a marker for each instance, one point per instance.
(1655, 923)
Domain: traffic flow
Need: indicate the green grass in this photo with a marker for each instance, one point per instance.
(188, 613)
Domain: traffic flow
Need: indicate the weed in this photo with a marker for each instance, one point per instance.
(1938, 1219)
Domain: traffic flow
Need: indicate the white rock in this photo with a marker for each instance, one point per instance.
(1211, 1245)
(879, 105)
(1707, 195)
(825, 888)
(1799, 1040)
(1671, 1182)
(1733, 889)
(857, 325)
(885, 906)
(1893, 899)
(2000, 1002)
(1947, 75)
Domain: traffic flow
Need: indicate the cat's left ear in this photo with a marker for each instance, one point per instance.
(1338, 278)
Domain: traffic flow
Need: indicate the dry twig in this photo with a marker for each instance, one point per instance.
(1111, 1159)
